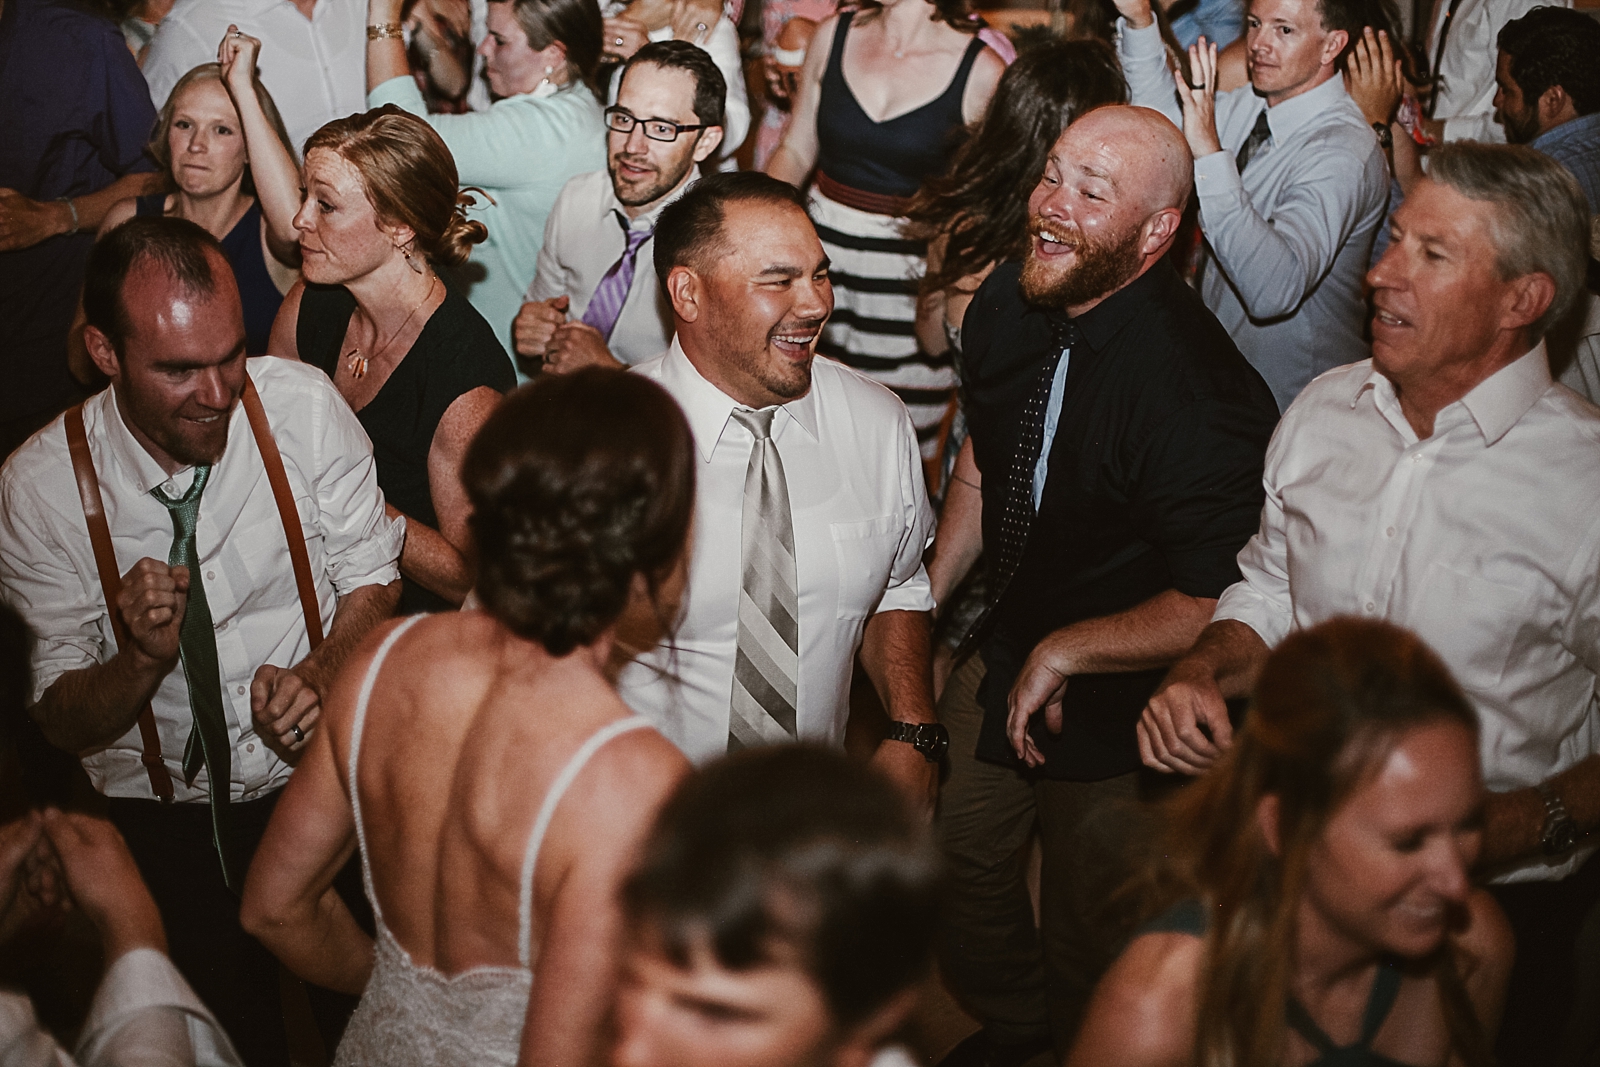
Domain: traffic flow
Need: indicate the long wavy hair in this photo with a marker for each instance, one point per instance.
(981, 202)
(1331, 703)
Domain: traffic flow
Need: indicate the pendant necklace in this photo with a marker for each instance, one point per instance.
(357, 363)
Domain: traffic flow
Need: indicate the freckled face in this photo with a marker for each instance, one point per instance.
(341, 238)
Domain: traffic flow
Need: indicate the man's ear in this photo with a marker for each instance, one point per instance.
(1530, 297)
(1268, 809)
(1159, 231)
(867, 1038)
(105, 356)
(1552, 107)
(709, 140)
(685, 292)
(1334, 45)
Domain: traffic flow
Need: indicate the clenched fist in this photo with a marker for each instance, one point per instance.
(152, 602)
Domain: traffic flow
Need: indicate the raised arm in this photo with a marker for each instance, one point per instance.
(1144, 61)
(272, 167)
(796, 157)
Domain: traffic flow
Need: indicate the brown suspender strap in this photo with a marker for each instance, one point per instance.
(105, 561)
(286, 510)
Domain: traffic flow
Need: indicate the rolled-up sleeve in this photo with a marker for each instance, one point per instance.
(1260, 599)
(361, 543)
(909, 588)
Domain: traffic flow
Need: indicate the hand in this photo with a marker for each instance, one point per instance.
(624, 37)
(783, 83)
(906, 767)
(24, 222)
(1170, 735)
(280, 701)
(536, 324)
(1042, 682)
(237, 57)
(19, 860)
(692, 20)
(152, 602)
(1200, 105)
(1137, 12)
(447, 20)
(104, 882)
(577, 344)
(1374, 77)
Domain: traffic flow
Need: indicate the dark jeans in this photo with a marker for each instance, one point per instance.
(232, 972)
(1547, 918)
(1024, 981)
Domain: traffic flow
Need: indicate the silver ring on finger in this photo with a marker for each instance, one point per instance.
(700, 27)
(619, 42)
(299, 734)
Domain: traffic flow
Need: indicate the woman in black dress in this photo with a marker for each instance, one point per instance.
(420, 367)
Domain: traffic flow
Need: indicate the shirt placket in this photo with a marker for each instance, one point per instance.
(314, 44)
(1396, 513)
(233, 662)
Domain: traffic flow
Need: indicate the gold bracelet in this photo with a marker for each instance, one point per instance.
(385, 29)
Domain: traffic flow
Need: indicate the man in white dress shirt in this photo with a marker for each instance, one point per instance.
(1290, 180)
(1448, 485)
(313, 54)
(1461, 47)
(810, 517)
(182, 478)
(596, 261)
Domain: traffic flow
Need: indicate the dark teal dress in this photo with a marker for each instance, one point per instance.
(1190, 918)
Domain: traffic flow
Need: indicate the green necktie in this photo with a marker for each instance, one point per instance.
(208, 743)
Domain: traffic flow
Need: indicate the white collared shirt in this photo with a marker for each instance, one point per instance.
(1466, 70)
(1291, 238)
(47, 569)
(143, 1013)
(582, 240)
(315, 69)
(1483, 539)
(861, 523)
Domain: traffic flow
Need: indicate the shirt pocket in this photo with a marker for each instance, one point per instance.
(864, 553)
(1470, 621)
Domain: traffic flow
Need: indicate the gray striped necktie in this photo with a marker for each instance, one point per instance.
(766, 669)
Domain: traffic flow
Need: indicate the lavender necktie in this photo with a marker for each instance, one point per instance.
(605, 306)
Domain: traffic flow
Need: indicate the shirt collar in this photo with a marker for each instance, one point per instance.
(1102, 322)
(709, 409)
(1583, 126)
(1287, 117)
(137, 465)
(1496, 403)
(610, 205)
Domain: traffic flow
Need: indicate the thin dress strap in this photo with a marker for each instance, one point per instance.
(547, 811)
(356, 728)
(1385, 987)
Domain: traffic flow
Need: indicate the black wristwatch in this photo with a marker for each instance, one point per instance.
(1560, 832)
(928, 738)
(1385, 137)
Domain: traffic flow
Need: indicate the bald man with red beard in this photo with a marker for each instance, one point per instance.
(1120, 438)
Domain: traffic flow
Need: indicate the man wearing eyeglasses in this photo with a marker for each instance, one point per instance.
(595, 299)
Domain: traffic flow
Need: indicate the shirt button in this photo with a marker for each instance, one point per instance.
(1389, 532)
(241, 690)
(1371, 607)
(1416, 457)
(211, 576)
(250, 748)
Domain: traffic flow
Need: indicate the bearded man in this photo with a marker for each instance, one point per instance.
(1120, 436)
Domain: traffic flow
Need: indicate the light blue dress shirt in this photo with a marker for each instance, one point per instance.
(521, 152)
(1221, 21)
(1052, 419)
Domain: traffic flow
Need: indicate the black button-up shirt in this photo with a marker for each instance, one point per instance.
(1154, 483)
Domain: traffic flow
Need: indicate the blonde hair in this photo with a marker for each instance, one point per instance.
(409, 177)
(161, 150)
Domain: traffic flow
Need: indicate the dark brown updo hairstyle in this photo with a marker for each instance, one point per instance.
(578, 482)
(576, 24)
(410, 178)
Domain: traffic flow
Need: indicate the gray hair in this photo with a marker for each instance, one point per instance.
(1542, 222)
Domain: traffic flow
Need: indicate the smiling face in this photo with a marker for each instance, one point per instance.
(1440, 303)
(182, 365)
(705, 1015)
(1518, 115)
(341, 236)
(1389, 872)
(759, 301)
(205, 141)
(511, 64)
(643, 171)
(1287, 50)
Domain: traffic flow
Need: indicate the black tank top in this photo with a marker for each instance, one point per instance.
(1190, 917)
(456, 352)
(893, 157)
(242, 246)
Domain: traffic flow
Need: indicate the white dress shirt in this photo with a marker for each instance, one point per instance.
(582, 240)
(723, 47)
(143, 1014)
(1466, 71)
(315, 69)
(47, 569)
(1483, 539)
(1290, 239)
(861, 524)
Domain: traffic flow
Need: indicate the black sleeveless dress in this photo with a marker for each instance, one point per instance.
(1189, 917)
(865, 172)
(456, 352)
(257, 291)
